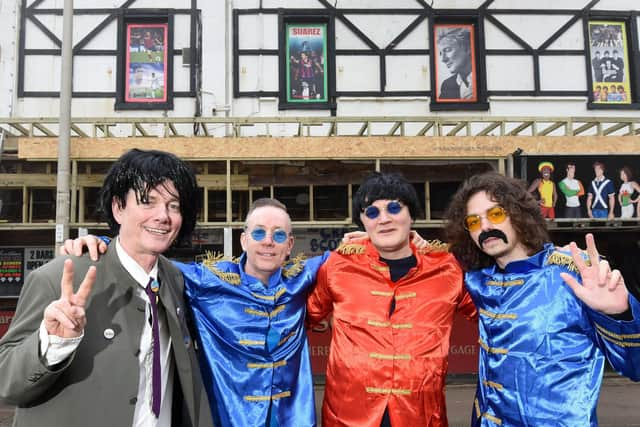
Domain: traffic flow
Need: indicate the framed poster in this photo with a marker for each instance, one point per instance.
(145, 63)
(456, 79)
(306, 65)
(609, 63)
(146, 59)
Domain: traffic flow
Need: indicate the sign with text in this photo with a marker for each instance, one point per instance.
(315, 241)
(463, 351)
(36, 257)
(11, 271)
(6, 316)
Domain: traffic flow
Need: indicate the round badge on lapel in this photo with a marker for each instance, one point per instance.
(109, 333)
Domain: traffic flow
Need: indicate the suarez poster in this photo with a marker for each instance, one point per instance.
(609, 59)
(306, 65)
(146, 63)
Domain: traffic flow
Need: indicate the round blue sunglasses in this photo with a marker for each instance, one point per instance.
(372, 212)
(278, 236)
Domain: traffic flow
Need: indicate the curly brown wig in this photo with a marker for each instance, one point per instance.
(509, 193)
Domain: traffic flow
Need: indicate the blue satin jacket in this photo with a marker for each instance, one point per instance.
(256, 363)
(543, 351)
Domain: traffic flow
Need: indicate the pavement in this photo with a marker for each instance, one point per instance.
(619, 404)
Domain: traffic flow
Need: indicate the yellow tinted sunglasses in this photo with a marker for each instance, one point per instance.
(495, 215)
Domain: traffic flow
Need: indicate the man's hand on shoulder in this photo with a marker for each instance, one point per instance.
(78, 246)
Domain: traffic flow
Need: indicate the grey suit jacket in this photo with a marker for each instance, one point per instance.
(98, 384)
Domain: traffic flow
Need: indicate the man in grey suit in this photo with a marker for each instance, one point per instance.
(110, 345)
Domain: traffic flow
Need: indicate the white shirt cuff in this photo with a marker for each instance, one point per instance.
(54, 349)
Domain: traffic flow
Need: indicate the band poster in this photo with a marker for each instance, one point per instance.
(306, 69)
(146, 63)
(609, 59)
(455, 63)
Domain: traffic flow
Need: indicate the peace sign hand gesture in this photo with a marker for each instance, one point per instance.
(65, 317)
(602, 289)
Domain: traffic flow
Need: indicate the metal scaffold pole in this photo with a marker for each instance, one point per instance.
(66, 79)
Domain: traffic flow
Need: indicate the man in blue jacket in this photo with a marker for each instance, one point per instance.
(543, 342)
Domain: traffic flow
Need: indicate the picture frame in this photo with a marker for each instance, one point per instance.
(145, 64)
(454, 52)
(609, 64)
(306, 62)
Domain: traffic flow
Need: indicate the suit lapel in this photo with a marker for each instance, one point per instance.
(171, 296)
(125, 287)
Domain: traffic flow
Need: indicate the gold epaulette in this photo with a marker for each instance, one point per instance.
(434, 246)
(560, 258)
(351, 249)
(211, 259)
(294, 266)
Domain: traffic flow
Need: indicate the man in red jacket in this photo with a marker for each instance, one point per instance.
(393, 308)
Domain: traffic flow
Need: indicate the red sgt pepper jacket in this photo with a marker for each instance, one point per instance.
(377, 359)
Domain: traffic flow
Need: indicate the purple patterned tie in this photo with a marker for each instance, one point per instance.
(156, 377)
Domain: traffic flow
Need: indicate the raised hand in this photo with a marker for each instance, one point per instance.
(66, 317)
(602, 289)
(76, 247)
(354, 237)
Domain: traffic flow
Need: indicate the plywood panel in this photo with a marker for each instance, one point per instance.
(268, 148)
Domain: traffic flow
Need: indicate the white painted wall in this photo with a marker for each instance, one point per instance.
(260, 73)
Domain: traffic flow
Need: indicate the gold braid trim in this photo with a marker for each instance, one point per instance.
(294, 266)
(559, 258)
(211, 259)
(380, 390)
(434, 246)
(272, 397)
(351, 249)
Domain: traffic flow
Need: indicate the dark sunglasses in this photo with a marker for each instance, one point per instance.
(278, 236)
(496, 215)
(372, 212)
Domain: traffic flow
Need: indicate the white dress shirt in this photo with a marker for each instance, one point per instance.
(466, 86)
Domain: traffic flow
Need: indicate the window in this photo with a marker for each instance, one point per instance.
(43, 205)
(91, 213)
(330, 202)
(296, 199)
(11, 205)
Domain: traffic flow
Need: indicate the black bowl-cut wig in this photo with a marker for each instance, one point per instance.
(385, 186)
(142, 171)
